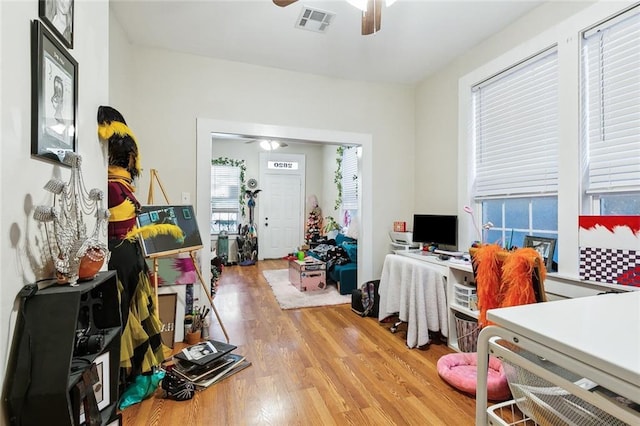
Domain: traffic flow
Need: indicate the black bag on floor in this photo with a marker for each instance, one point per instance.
(356, 302)
(365, 300)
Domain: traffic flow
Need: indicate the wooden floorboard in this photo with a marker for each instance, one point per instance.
(311, 366)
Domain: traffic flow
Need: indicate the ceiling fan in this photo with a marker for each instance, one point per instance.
(371, 15)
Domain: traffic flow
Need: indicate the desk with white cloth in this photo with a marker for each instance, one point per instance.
(416, 291)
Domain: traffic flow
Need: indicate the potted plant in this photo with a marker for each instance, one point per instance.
(331, 227)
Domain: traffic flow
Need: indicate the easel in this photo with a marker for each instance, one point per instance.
(154, 177)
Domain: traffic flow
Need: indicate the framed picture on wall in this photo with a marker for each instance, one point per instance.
(58, 15)
(545, 246)
(54, 96)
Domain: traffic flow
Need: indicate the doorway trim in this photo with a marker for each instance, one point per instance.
(206, 126)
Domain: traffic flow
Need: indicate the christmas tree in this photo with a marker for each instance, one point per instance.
(314, 221)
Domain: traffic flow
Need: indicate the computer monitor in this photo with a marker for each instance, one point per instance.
(439, 230)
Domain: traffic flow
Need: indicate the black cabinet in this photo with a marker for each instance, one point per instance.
(60, 332)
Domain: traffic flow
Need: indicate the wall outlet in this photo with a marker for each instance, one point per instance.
(186, 198)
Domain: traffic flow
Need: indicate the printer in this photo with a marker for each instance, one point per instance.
(402, 241)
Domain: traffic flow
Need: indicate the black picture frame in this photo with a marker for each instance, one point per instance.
(54, 97)
(58, 16)
(543, 245)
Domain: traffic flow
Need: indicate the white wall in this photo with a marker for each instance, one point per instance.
(120, 65)
(22, 260)
(172, 90)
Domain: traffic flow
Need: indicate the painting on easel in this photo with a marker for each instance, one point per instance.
(162, 245)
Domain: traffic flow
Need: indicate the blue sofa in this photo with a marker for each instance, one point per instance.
(346, 276)
(343, 271)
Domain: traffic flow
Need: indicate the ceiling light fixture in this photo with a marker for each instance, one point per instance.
(271, 145)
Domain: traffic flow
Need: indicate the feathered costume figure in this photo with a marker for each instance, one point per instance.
(141, 344)
(509, 282)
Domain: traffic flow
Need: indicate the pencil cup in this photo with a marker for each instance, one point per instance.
(193, 338)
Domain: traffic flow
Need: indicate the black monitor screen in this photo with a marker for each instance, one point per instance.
(440, 230)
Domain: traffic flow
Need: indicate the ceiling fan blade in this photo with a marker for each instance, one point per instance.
(284, 3)
(372, 17)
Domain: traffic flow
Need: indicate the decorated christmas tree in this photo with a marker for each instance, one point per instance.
(314, 220)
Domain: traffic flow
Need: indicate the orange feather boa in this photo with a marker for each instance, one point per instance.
(509, 283)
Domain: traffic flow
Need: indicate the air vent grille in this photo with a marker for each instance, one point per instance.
(314, 19)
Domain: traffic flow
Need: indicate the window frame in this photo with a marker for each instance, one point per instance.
(593, 193)
(565, 34)
(237, 209)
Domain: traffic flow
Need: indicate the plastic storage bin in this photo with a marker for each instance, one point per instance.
(465, 296)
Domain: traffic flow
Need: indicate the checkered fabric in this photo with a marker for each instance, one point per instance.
(610, 266)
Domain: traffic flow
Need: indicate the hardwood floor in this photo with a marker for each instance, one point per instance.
(312, 366)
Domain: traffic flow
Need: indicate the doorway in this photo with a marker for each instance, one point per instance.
(204, 129)
(280, 218)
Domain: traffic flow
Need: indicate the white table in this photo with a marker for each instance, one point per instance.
(415, 291)
(597, 337)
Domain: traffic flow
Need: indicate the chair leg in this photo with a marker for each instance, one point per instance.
(395, 326)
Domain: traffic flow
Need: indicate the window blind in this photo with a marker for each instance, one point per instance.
(225, 188)
(611, 104)
(350, 178)
(515, 130)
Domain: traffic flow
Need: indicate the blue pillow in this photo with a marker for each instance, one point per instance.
(352, 250)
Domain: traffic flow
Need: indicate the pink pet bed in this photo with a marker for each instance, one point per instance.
(460, 371)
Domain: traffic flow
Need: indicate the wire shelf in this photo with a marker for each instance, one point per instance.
(549, 404)
(508, 414)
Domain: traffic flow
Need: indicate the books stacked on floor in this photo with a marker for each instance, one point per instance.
(208, 362)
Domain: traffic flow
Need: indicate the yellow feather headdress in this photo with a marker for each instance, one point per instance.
(108, 129)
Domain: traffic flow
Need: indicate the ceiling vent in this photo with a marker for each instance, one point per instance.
(314, 19)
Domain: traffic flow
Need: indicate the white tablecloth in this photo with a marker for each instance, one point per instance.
(416, 291)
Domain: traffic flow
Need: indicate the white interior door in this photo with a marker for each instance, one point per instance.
(281, 211)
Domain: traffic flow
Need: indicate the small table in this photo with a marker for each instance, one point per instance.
(308, 274)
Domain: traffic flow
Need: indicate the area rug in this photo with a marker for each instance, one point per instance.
(289, 297)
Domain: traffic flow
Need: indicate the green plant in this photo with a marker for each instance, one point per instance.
(337, 177)
(224, 161)
(330, 224)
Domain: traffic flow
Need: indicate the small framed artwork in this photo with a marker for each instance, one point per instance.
(102, 388)
(58, 15)
(545, 246)
(54, 96)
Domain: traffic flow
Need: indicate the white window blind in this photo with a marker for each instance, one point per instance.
(225, 188)
(350, 178)
(516, 130)
(611, 104)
